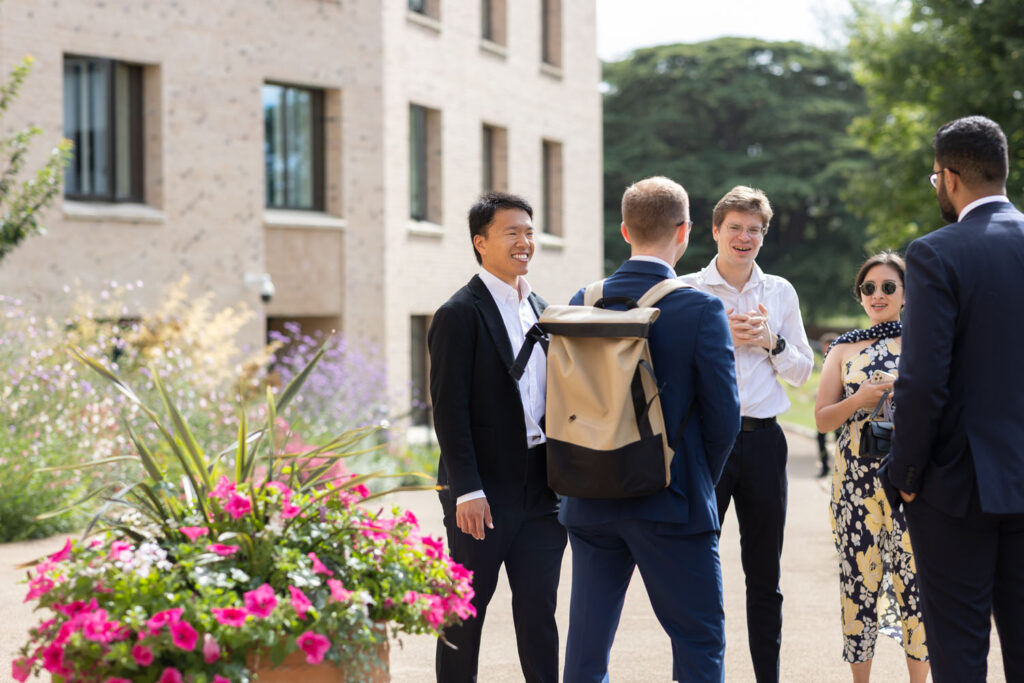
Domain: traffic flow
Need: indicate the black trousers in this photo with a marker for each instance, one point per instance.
(969, 569)
(529, 540)
(755, 478)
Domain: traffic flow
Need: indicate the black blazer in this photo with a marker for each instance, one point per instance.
(478, 411)
(960, 420)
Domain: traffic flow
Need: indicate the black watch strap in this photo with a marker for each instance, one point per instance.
(780, 345)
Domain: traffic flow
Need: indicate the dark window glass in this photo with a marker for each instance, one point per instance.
(293, 146)
(103, 119)
(418, 6)
(418, 162)
(486, 19)
(488, 159)
(418, 325)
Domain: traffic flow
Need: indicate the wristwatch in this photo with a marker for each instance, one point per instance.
(780, 345)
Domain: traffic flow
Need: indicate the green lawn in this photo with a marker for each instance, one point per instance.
(802, 411)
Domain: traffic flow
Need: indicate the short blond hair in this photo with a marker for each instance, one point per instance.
(653, 208)
(745, 200)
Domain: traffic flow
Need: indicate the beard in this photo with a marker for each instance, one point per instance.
(946, 208)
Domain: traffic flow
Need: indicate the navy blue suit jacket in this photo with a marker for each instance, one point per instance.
(692, 354)
(960, 422)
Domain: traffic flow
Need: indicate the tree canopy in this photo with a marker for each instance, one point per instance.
(735, 111)
(22, 200)
(934, 61)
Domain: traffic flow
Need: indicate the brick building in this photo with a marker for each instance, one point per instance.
(334, 145)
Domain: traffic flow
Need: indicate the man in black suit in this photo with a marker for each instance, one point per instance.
(497, 506)
(958, 445)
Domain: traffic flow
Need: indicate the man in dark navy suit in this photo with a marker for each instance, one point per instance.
(498, 509)
(671, 535)
(958, 446)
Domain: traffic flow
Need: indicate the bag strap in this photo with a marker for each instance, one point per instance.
(592, 294)
(533, 335)
(660, 291)
(881, 401)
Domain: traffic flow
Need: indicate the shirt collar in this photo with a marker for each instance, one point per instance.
(654, 259)
(501, 290)
(978, 202)
(713, 277)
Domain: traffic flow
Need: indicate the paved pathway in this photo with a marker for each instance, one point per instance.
(811, 645)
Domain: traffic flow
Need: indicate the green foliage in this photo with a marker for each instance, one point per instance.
(21, 202)
(737, 111)
(929, 62)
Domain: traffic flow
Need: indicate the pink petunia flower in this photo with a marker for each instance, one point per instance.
(164, 618)
(285, 492)
(230, 616)
(260, 602)
(410, 519)
(314, 645)
(117, 680)
(142, 655)
(211, 649)
(120, 551)
(53, 660)
(21, 668)
(361, 491)
(434, 613)
(338, 591)
(184, 636)
(318, 566)
(410, 597)
(300, 602)
(38, 586)
(170, 675)
(62, 554)
(194, 532)
(434, 547)
(237, 506)
(224, 488)
(223, 550)
(97, 628)
(217, 678)
(288, 510)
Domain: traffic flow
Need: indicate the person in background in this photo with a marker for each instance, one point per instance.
(824, 342)
(877, 577)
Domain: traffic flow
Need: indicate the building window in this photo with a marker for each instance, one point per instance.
(428, 8)
(424, 164)
(494, 161)
(492, 21)
(293, 120)
(103, 118)
(551, 187)
(418, 369)
(551, 32)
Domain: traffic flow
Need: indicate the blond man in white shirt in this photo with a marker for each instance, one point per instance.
(770, 343)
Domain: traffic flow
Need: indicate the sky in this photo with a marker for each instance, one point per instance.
(624, 25)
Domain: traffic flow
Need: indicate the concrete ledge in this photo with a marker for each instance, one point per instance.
(549, 241)
(112, 211)
(423, 20)
(551, 70)
(284, 218)
(425, 229)
(496, 49)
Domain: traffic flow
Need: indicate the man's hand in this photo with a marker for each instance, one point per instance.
(907, 497)
(472, 516)
(750, 329)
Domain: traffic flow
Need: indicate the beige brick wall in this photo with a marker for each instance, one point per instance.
(206, 62)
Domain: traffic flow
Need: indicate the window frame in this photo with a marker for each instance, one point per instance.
(136, 136)
(317, 140)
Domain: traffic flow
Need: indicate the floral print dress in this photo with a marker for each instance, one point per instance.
(877, 574)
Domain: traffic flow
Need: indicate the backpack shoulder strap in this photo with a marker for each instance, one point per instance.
(660, 291)
(593, 293)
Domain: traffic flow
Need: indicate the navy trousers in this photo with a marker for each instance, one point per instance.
(755, 479)
(683, 577)
(970, 569)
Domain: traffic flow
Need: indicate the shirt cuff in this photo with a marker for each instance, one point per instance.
(472, 495)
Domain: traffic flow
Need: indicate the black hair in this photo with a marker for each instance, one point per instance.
(975, 147)
(481, 214)
(885, 258)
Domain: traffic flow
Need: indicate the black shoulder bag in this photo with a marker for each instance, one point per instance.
(876, 435)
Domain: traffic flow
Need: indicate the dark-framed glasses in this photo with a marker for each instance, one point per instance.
(934, 177)
(888, 288)
(687, 223)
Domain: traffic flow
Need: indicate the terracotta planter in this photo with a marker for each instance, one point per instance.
(295, 668)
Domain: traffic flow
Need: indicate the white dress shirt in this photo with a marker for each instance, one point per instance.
(518, 316)
(761, 395)
(978, 202)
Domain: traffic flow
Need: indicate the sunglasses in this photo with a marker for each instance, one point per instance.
(888, 288)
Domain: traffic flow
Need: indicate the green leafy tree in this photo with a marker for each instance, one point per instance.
(737, 111)
(923, 63)
(21, 201)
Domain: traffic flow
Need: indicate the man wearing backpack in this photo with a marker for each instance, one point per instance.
(671, 535)
(769, 340)
(498, 508)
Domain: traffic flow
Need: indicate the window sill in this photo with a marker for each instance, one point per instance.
(425, 229)
(551, 70)
(423, 20)
(496, 49)
(284, 218)
(549, 241)
(112, 211)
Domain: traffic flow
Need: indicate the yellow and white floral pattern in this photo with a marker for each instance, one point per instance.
(878, 578)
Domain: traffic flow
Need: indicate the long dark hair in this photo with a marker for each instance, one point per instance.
(884, 258)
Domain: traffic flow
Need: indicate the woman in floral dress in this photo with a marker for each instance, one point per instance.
(877, 575)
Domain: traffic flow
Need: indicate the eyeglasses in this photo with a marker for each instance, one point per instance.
(934, 177)
(688, 224)
(753, 232)
(888, 288)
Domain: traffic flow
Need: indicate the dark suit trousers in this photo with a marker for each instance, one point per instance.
(755, 478)
(529, 540)
(969, 569)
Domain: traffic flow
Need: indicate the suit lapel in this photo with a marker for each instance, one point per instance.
(492, 319)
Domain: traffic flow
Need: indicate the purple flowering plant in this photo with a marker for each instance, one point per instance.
(265, 548)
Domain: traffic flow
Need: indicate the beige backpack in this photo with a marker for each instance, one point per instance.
(604, 425)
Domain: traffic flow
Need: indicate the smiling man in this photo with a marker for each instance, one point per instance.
(497, 506)
(770, 343)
